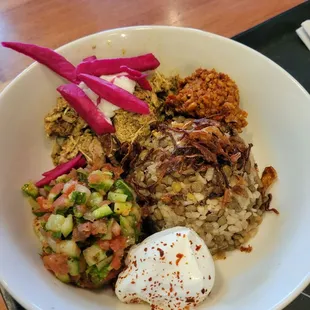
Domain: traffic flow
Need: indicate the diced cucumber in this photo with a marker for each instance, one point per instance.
(108, 235)
(61, 211)
(98, 276)
(93, 255)
(105, 262)
(62, 179)
(117, 197)
(82, 175)
(63, 277)
(100, 181)
(109, 173)
(67, 226)
(56, 235)
(47, 188)
(69, 248)
(35, 207)
(77, 213)
(122, 208)
(95, 200)
(127, 190)
(105, 185)
(55, 222)
(127, 226)
(78, 197)
(102, 211)
(30, 190)
(74, 266)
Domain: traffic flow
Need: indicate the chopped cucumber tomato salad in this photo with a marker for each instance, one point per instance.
(85, 221)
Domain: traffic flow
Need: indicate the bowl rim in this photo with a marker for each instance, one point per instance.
(27, 304)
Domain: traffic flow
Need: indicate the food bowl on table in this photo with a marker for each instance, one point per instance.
(276, 270)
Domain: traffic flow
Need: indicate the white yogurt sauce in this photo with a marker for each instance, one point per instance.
(172, 269)
(107, 108)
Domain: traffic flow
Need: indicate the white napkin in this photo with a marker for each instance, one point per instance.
(304, 32)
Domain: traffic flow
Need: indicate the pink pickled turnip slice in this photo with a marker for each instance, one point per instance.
(85, 108)
(115, 94)
(138, 77)
(47, 57)
(90, 58)
(131, 71)
(53, 174)
(66, 167)
(109, 66)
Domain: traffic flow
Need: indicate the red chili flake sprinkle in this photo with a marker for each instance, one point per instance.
(203, 291)
(187, 292)
(178, 275)
(165, 244)
(179, 257)
(150, 279)
(145, 249)
(190, 299)
(184, 236)
(198, 247)
(161, 252)
(133, 282)
(170, 263)
(247, 249)
(209, 277)
(178, 234)
(144, 289)
(153, 248)
(191, 242)
(171, 288)
(134, 263)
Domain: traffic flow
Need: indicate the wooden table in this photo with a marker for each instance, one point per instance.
(53, 23)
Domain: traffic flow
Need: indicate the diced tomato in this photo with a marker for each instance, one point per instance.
(81, 209)
(58, 263)
(57, 189)
(61, 202)
(104, 244)
(70, 189)
(95, 178)
(119, 243)
(116, 262)
(99, 227)
(73, 174)
(81, 232)
(116, 229)
(44, 204)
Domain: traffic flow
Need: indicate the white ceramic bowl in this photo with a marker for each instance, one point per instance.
(279, 121)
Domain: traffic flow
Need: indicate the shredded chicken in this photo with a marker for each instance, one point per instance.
(87, 143)
(63, 120)
(130, 126)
